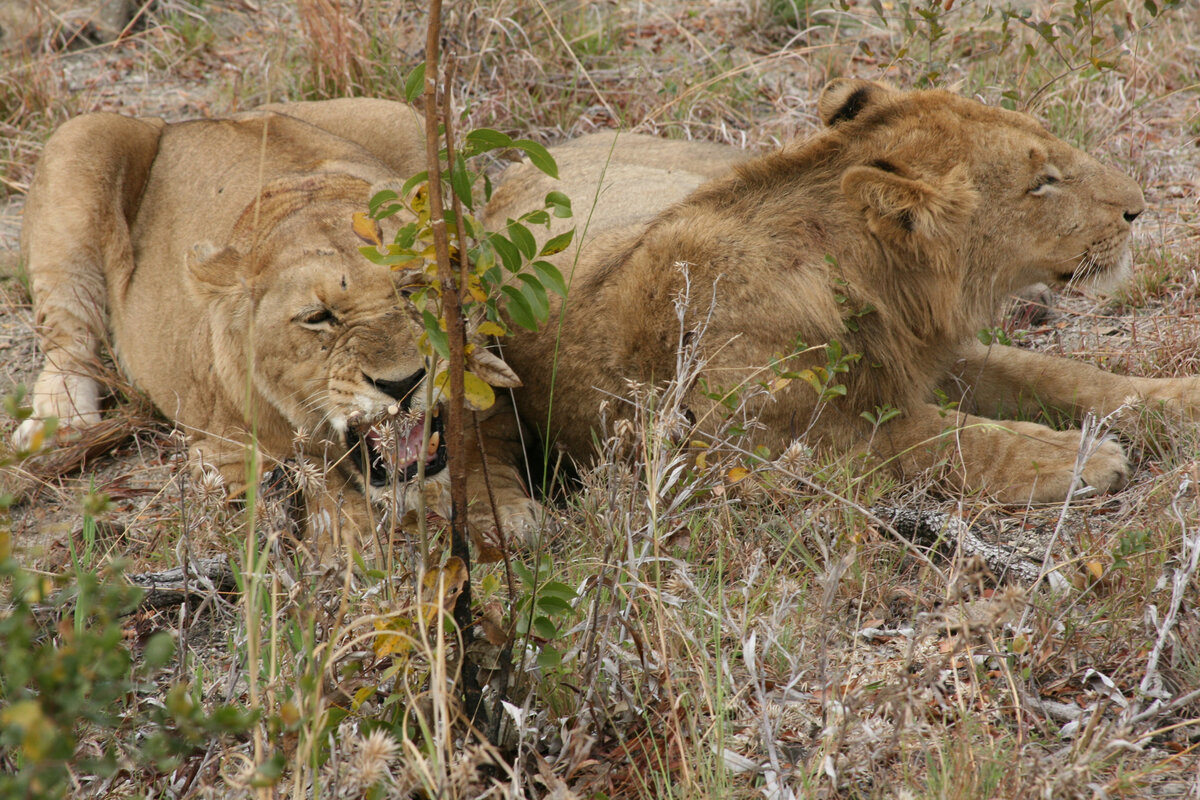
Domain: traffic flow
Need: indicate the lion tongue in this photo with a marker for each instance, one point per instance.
(409, 444)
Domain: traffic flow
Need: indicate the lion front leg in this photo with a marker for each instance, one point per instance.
(76, 246)
(1011, 383)
(494, 475)
(1011, 462)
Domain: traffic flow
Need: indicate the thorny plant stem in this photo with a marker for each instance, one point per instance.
(455, 334)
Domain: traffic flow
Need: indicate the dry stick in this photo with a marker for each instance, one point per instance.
(452, 308)
(463, 269)
(501, 682)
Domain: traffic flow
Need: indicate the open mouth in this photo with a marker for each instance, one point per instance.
(393, 449)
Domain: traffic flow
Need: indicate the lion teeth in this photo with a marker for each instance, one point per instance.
(434, 440)
(393, 410)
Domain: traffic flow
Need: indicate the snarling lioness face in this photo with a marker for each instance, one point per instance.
(219, 258)
(332, 337)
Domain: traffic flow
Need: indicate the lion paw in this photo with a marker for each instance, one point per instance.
(523, 520)
(73, 400)
(1051, 471)
(1107, 468)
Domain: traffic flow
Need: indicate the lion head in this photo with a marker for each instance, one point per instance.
(331, 344)
(1020, 205)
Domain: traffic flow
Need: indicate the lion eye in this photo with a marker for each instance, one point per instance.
(320, 318)
(1044, 183)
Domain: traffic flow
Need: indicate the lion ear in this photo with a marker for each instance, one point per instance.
(844, 99)
(908, 209)
(215, 272)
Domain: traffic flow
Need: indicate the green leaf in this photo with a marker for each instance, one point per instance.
(518, 308)
(460, 180)
(437, 336)
(1151, 8)
(483, 258)
(522, 238)
(552, 279)
(492, 277)
(539, 156)
(549, 658)
(524, 573)
(560, 203)
(393, 256)
(559, 590)
(406, 236)
(544, 628)
(509, 254)
(558, 243)
(481, 140)
(553, 605)
(379, 198)
(538, 217)
(159, 650)
(535, 293)
(414, 83)
(413, 182)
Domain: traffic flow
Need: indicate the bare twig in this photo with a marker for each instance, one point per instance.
(456, 337)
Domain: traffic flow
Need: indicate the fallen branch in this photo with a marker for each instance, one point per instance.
(933, 528)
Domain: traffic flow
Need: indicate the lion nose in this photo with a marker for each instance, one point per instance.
(1130, 216)
(398, 390)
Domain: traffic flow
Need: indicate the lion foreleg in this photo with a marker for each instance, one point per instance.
(1012, 462)
(1012, 383)
(75, 241)
(494, 476)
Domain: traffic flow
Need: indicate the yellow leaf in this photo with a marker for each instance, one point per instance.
(36, 731)
(779, 383)
(446, 582)
(1095, 569)
(736, 474)
(413, 264)
(475, 288)
(367, 228)
(476, 392)
(702, 461)
(489, 328)
(393, 637)
(362, 694)
(420, 200)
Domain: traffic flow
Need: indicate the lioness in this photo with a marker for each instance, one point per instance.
(219, 259)
(895, 232)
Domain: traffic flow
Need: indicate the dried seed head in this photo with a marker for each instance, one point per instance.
(372, 755)
(795, 459)
(309, 478)
(211, 486)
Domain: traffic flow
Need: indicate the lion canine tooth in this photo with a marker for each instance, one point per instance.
(434, 439)
(393, 410)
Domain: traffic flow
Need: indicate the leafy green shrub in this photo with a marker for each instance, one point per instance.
(66, 673)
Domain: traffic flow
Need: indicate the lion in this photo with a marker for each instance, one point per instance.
(218, 260)
(866, 257)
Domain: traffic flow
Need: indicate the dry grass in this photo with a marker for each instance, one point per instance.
(728, 636)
